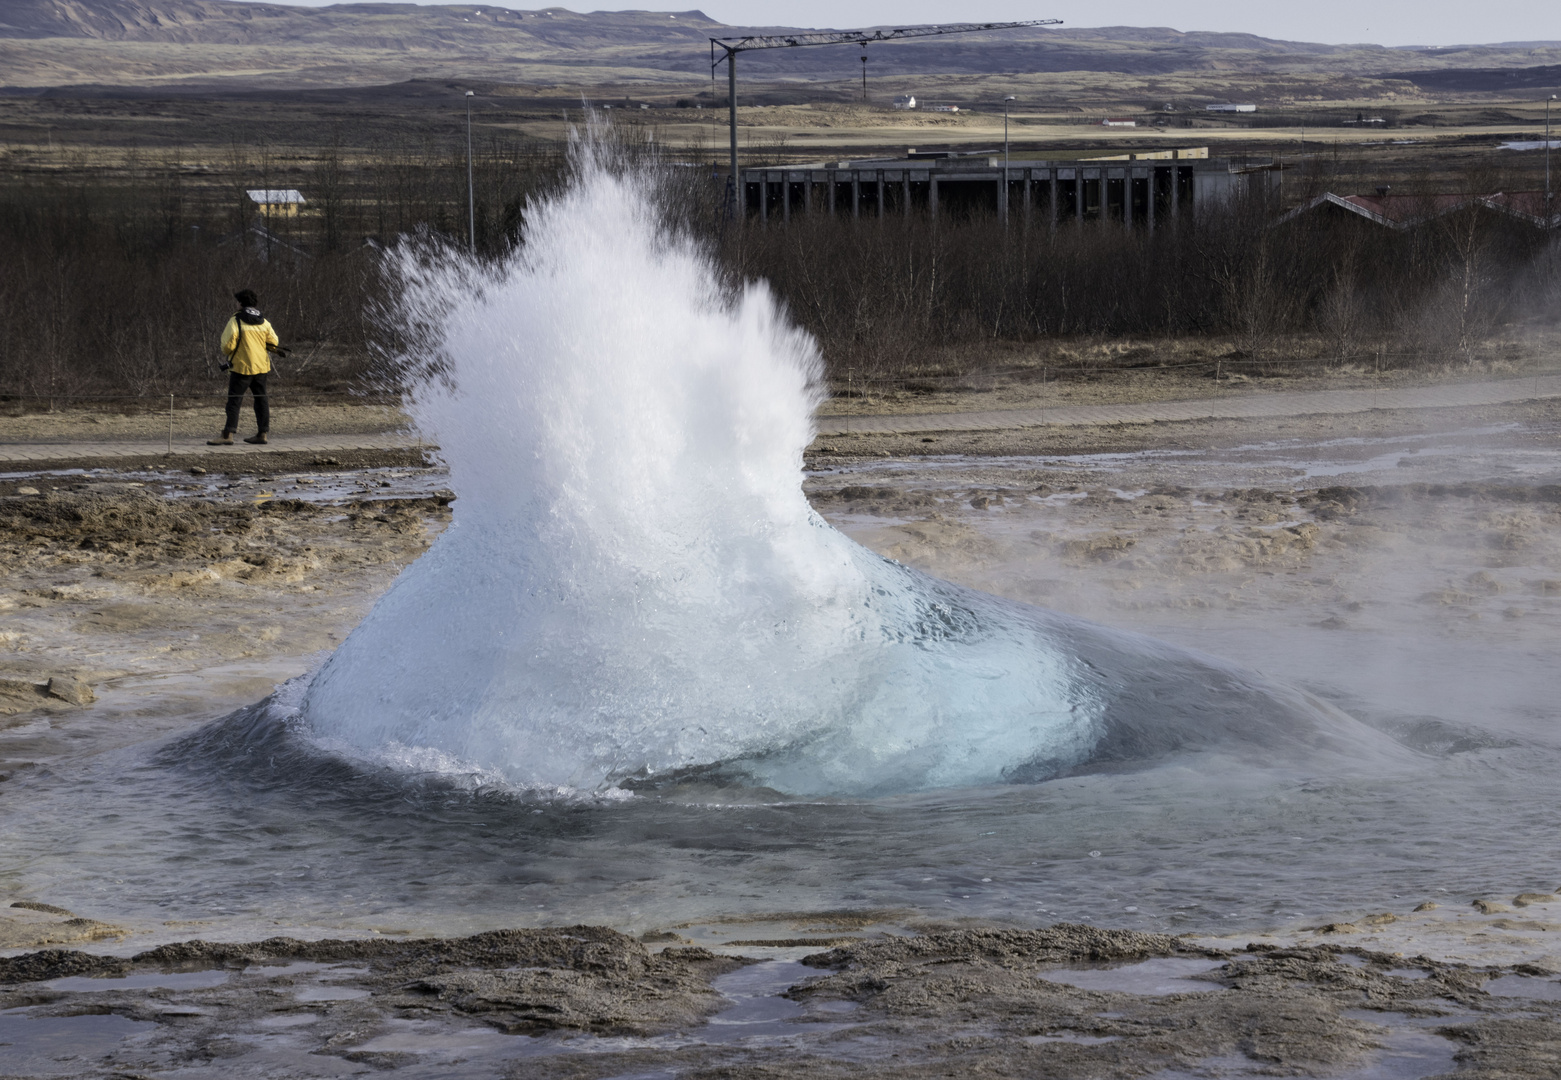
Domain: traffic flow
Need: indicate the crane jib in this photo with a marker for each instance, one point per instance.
(731, 46)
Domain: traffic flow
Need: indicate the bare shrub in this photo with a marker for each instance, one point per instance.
(117, 278)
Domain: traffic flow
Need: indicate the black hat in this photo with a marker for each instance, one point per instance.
(247, 297)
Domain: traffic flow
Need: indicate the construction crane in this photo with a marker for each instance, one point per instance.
(731, 46)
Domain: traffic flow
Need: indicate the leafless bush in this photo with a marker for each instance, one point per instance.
(117, 282)
(901, 295)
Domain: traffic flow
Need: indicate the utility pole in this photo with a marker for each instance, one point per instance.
(1549, 216)
(733, 192)
(471, 187)
(731, 46)
(1006, 100)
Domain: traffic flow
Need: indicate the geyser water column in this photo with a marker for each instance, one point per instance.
(633, 581)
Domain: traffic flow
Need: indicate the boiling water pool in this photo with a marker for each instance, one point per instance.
(257, 835)
(249, 828)
(639, 681)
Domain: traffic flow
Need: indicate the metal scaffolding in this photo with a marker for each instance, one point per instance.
(731, 46)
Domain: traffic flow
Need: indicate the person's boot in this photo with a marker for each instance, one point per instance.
(257, 439)
(226, 439)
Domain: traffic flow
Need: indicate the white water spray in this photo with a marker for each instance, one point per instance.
(634, 585)
(633, 581)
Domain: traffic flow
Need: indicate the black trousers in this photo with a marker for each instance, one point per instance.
(256, 384)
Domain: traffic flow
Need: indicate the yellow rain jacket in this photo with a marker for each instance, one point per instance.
(244, 344)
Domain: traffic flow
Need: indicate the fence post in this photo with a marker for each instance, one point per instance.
(170, 422)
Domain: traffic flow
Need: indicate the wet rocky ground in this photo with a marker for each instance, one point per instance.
(138, 603)
(133, 597)
(588, 1003)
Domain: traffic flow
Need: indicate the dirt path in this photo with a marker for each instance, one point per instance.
(1235, 404)
(378, 435)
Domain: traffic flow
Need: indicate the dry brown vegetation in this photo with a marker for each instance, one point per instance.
(119, 276)
(121, 264)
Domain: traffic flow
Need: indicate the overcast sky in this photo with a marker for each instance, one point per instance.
(1382, 22)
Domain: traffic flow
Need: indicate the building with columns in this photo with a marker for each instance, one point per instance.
(1144, 189)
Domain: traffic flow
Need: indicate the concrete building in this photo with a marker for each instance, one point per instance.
(905, 101)
(1230, 107)
(1145, 190)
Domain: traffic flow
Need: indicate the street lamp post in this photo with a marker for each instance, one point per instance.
(1006, 100)
(471, 187)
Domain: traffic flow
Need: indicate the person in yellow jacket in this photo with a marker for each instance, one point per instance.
(246, 341)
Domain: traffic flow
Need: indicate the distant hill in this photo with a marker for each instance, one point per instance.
(51, 43)
(367, 26)
(1484, 80)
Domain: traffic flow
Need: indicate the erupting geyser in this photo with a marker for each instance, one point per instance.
(633, 582)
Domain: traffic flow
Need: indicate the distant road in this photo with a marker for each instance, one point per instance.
(1235, 406)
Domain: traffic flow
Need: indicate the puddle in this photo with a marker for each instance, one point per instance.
(277, 971)
(1149, 978)
(60, 1045)
(321, 991)
(1525, 986)
(329, 993)
(1409, 1054)
(287, 1020)
(432, 1037)
(757, 1009)
(179, 980)
(1070, 1037)
(1409, 1051)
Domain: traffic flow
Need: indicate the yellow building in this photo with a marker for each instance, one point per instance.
(272, 201)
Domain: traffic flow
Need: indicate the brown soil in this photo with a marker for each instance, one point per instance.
(832, 450)
(107, 424)
(1016, 376)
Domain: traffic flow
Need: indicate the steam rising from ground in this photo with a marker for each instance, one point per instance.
(634, 584)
